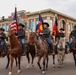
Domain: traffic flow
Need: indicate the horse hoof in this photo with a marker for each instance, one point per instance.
(43, 72)
(6, 68)
(54, 66)
(32, 65)
(10, 73)
(28, 66)
(59, 66)
(19, 71)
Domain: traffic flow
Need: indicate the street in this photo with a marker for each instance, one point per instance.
(68, 67)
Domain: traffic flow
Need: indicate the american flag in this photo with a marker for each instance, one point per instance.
(14, 25)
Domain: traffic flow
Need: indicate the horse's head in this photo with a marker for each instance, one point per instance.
(32, 37)
(10, 32)
(61, 43)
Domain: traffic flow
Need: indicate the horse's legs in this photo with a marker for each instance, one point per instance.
(59, 59)
(27, 55)
(16, 61)
(39, 58)
(11, 64)
(32, 59)
(19, 68)
(47, 62)
(44, 59)
(53, 60)
(63, 55)
(8, 60)
(74, 58)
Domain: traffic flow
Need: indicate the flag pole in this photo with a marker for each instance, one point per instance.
(55, 34)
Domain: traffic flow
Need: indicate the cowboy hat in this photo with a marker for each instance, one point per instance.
(61, 29)
(2, 29)
(46, 24)
(74, 26)
(20, 24)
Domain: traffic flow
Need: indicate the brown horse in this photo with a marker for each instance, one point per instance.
(16, 50)
(42, 50)
(73, 49)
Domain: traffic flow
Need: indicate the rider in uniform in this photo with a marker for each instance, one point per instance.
(61, 34)
(2, 39)
(21, 36)
(46, 34)
(72, 36)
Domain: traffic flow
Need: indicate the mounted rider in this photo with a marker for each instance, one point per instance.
(46, 34)
(2, 39)
(60, 35)
(21, 36)
(72, 36)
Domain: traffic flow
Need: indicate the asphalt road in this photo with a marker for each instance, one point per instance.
(68, 67)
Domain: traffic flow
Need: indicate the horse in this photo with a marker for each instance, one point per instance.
(16, 50)
(6, 54)
(32, 51)
(73, 50)
(42, 50)
(60, 51)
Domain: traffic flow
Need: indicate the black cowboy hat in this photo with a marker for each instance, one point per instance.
(74, 26)
(20, 24)
(61, 29)
(2, 29)
(46, 24)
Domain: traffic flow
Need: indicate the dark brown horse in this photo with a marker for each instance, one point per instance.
(30, 50)
(73, 49)
(16, 50)
(42, 50)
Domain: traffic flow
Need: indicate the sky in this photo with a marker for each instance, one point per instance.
(67, 7)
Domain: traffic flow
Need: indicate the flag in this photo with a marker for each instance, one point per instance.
(55, 27)
(39, 26)
(14, 25)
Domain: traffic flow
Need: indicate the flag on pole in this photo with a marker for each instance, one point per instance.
(39, 26)
(55, 27)
(14, 25)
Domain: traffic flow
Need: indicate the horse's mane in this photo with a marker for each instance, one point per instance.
(14, 41)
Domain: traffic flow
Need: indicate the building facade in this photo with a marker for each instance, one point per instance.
(48, 15)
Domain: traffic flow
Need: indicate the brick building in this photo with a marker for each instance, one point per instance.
(48, 15)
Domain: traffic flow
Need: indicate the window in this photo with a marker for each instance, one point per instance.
(26, 25)
(37, 22)
(44, 20)
(32, 27)
(51, 24)
(69, 28)
(7, 27)
(62, 24)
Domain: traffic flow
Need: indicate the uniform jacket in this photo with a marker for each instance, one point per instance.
(46, 32)
(72, 34)
(61, 35)
(21, 34)
(2, 36)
